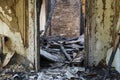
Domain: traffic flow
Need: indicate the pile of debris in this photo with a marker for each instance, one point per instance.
(76, 73)
(62, 50)
(11, 72)
(20, 72)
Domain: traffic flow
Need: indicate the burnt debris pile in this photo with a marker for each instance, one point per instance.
(62, 50)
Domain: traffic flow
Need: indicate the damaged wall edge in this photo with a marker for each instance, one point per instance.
(101, 19)
(26, 22)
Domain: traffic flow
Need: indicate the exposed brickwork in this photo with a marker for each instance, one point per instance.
(66, 18)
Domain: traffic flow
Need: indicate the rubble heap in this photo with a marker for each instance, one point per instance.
(62, 50)
(20, 72)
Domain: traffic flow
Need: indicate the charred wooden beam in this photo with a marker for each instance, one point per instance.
(65, 53)
(116, 45)
(38, 4)
(53, 4)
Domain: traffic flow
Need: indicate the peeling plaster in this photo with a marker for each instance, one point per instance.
(7, 16)
(9, 25)
(17, 43)
(13, 24)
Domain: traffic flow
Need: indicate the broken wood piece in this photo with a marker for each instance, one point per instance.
(78, 58)
(16, 77)
(69, 75)
(80, 40)
(8, 58)
(74, 46)
(65, 53)
(49, 56)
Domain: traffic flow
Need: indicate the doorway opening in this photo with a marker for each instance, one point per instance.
(62, 33)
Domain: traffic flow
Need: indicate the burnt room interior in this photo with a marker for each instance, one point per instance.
(59, 40)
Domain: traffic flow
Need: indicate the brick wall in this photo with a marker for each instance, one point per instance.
(66, 18)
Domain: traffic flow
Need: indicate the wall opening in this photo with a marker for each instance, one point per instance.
(64, 41)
